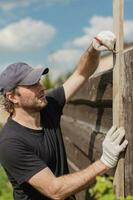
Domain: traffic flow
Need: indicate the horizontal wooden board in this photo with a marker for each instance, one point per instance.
(83, 144)
(96, 89)
(98, 117)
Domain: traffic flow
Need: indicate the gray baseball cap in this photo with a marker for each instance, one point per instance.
(20, 74)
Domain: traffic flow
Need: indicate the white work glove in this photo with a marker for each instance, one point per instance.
(105, 40)
(112, 147)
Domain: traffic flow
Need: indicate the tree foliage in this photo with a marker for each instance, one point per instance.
(47, 82)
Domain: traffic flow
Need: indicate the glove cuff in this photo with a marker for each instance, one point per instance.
(97, 44)
(107, 163)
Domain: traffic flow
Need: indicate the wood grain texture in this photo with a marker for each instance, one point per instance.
(118, 83)
(128, 120)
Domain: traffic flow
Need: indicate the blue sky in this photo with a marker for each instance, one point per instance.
(54, 32)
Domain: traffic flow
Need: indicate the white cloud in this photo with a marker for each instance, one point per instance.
(64, 59)
(67, 57)
(9, 5)
(97, 24)
(27, 34)
(55, 73)
(128, 30)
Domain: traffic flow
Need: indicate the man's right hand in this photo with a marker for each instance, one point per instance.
(112, 146)
(105, 40)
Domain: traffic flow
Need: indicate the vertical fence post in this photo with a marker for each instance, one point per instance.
(118, 83)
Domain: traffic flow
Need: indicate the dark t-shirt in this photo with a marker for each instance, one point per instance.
(24, 151)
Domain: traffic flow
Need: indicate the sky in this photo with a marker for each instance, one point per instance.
(54, 33)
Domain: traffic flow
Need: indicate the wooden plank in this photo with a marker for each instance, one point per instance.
(83, 136)
(83, 144)
(105, 66)
(97, 89)
(128, 113)
(118, 81)
(98, 117)
(76, 158)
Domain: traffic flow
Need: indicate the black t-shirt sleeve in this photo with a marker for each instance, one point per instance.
(56, 101)
(58, 95)
(19, 160)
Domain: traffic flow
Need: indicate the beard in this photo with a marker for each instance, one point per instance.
(41, 103)
(33, 106)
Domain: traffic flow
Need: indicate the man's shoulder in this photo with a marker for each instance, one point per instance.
(9, 139)
(4, 130)
(8, 132)
(6, 139)
(6, 127)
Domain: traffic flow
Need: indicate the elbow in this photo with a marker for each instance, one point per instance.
(57, 196)
(56, 192)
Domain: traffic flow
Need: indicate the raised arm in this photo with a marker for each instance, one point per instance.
(88, 62)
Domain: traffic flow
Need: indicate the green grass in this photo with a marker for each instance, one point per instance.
(5, 187)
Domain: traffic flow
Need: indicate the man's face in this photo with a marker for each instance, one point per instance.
(31, 98)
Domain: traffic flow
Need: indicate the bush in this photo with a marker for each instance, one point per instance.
(103, 190)
(5, 187)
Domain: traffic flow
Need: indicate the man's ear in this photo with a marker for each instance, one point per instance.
(11, 97)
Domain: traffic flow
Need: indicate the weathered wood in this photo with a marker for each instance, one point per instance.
(118, 81)
(106, 63)
(96, 89)
(128, 120)
(83, 137)
(99, 117)
(105, 66)
(89, 115)
(83, 144)
(76, 157)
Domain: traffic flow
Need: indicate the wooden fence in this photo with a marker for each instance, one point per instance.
(88, 116)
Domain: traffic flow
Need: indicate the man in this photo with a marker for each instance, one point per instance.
(31, 146)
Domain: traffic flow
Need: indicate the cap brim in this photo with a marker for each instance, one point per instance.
(34, 76)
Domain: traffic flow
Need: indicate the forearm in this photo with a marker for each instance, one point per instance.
(72, 183)
(60, 188)
(88, 63)
(85, 68)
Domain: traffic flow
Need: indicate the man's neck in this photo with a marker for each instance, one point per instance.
(27, 119)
